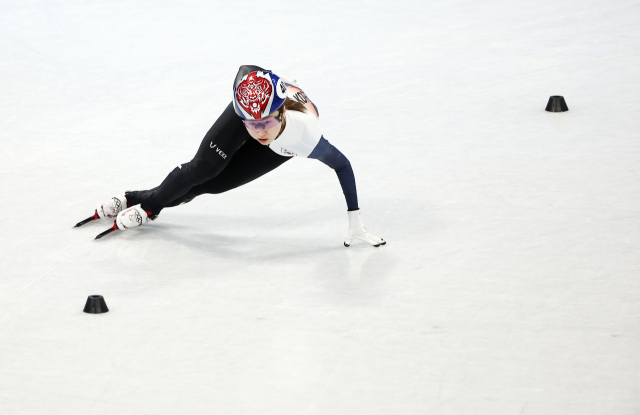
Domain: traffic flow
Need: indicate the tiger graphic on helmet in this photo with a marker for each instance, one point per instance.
(259, 94)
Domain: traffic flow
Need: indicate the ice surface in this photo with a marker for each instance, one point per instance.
(510, 283)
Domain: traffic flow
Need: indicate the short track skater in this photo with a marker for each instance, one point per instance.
(269, 121)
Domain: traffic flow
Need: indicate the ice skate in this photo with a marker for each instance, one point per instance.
(108, 209)
(129, 218)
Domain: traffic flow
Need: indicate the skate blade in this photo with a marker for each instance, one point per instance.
(87, 220)
(108, 231)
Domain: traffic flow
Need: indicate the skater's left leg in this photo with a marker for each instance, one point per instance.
(250, 162)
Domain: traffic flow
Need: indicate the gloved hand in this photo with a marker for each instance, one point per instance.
(358, 231)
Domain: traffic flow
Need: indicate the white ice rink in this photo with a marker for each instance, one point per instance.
(510, 284)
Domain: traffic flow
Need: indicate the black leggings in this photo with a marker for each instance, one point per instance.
(228, 157)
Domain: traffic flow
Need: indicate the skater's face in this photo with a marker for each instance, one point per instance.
(266, 136)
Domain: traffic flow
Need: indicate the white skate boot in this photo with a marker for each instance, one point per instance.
(108, 209)
(131, 218)
(112, 207)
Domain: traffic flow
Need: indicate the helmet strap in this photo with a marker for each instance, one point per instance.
(282, 120)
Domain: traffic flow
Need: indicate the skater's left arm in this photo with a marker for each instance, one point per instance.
(333, 158)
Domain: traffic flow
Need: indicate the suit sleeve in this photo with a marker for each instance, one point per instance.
(333, 158)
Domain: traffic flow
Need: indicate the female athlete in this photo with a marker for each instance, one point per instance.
(269, 121)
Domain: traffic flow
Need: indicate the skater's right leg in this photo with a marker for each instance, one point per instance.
(216, 149)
